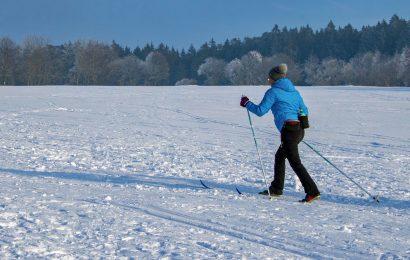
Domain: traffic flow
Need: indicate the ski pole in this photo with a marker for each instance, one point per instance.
(375, 198)
(257, 151)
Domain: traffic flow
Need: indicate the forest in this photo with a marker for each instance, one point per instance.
(374, 55)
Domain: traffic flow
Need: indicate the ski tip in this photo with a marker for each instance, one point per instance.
(376, 198)
(239, 192)
(203, 184)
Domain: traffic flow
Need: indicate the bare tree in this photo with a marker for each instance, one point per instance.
(91, 63)
(9, 52)
(156, 69)
(36, 68)
(213, 69)
(73, 50)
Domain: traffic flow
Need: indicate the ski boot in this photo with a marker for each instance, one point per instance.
(310, 198)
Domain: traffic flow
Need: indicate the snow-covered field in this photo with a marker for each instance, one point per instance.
(114, 171)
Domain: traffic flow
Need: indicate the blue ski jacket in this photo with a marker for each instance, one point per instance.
(284, 100)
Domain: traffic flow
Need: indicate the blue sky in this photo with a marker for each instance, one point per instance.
(179, 23)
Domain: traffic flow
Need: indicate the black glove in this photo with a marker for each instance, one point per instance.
(304, 121)
(244, 101)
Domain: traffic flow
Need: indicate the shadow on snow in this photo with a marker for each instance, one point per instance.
(173, 182)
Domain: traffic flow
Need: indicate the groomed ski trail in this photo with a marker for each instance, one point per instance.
(285, 245)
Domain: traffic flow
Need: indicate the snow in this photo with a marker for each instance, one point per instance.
(114, 172)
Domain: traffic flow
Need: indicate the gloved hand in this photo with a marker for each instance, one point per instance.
(244, 101)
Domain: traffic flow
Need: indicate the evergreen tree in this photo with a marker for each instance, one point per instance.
(346, 48)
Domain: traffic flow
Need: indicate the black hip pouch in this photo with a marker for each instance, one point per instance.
(304, 121)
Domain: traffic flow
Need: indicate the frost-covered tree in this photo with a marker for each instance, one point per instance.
(403, 60)
(184, 82)
(374, 69)
(156, 69)
(387, 73)
(9, 53)
(234, 72)
(364, 69)
(213, 70)
(252, 68)
(311, 69)
(330, 72)
(126, 71)
(295, 72)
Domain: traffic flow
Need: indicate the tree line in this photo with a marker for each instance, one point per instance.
(374, 55)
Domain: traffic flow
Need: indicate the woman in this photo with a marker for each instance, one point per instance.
(287, 108)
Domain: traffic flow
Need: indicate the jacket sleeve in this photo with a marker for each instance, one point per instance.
(302, 107)
(265, 105)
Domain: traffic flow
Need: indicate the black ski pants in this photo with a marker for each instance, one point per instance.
(291, 136)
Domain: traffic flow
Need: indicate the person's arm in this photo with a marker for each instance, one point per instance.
(265, 105)
(303, 110)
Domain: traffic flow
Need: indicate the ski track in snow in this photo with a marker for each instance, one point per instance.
(114, 172)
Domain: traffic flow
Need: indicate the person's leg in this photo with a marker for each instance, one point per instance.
(290, 145)
(279, 168)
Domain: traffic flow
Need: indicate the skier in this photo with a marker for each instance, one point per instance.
(290, 115)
